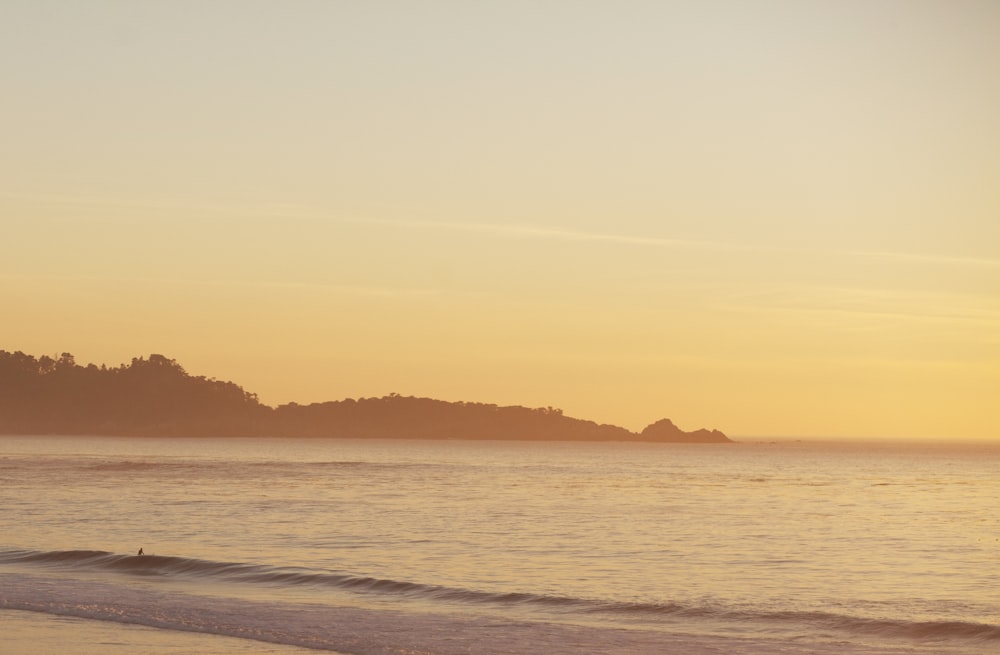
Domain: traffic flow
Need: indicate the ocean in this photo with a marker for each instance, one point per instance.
(290, 546)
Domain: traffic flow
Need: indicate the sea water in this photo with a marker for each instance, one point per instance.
(444, 547)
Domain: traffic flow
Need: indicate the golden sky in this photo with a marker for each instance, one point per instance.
(775, 218)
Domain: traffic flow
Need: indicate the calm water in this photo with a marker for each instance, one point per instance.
(456, 547)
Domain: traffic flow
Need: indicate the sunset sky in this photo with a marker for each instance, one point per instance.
(774, 218)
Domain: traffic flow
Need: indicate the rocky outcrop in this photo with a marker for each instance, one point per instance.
(664, 430)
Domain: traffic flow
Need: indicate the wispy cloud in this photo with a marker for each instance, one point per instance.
(254, 285)
(344, 289)
(874, 303)
(552, 234)
(927, 258)
(178, 210)
(268, 212)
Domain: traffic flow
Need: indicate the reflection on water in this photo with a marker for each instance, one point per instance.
(875, 540)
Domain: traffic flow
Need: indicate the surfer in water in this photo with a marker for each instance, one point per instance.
(140, 551)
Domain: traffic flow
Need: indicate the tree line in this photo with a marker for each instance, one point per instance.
(155, 396)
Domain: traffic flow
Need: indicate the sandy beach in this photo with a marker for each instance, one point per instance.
(31, 633)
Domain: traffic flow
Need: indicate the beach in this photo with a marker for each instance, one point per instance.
(33, 633)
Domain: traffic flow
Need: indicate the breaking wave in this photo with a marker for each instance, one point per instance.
(261, 574)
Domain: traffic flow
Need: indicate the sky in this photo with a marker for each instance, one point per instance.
(774, 218)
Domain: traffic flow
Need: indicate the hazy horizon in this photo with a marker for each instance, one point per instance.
(774, 218)
(759, 439)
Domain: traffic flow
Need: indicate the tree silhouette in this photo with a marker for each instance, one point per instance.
(157, 397)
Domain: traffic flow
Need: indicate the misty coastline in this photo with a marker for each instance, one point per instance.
(155, 396)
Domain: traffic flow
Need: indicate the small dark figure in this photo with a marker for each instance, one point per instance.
(140, 551)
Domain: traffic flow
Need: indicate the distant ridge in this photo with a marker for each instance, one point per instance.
(157, 397)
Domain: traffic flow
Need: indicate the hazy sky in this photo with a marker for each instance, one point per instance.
(771, 218)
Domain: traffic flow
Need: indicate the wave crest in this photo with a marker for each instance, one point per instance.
(160, 565)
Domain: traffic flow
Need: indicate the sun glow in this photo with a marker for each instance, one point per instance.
(774, 220)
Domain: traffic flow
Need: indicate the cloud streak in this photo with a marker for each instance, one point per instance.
(293, 212)
(253, 285)
(924, 258)
(521, 231)
(874, 303)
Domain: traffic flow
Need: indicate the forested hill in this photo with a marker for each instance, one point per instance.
(157, 397)
(152, 396)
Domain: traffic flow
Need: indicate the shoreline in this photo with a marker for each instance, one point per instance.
(37, 633)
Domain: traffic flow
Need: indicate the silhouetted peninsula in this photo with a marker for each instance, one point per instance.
(157, 397)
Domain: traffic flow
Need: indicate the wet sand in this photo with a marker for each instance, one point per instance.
(32, 633)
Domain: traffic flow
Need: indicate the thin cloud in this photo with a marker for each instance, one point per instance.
(923, 258)
(295, 212)
(883, 303)
(384, 292)
(342, 289)
(553, 234)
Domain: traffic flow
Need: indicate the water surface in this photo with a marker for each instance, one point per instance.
(388, 546)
